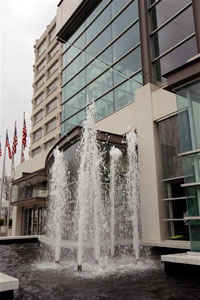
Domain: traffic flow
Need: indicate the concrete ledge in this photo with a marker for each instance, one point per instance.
(168, 244)
(8, 283)
(190, 258)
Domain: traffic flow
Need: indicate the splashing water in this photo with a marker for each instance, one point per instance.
(104, 219)
(57, 202)
(115, 155)
(132, 178)
(89, 189)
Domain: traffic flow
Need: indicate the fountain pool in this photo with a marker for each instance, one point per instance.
(120, 279)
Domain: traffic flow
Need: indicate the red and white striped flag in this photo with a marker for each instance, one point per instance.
(15, 141)
(24, 134)
(8, 145)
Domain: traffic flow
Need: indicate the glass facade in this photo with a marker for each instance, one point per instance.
(174, 194)
(172, 35)
(188, 102)
(102, 62)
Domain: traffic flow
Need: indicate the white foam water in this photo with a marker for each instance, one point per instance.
(57, 202)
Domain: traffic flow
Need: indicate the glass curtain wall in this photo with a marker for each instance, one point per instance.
(102, 62)
(188, 102)
(174, 194)
(172, 35)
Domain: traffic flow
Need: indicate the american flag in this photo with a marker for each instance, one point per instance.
(24, 134)
(15, 142)
(8, 146)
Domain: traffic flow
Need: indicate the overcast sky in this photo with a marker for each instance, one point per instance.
(21, 23)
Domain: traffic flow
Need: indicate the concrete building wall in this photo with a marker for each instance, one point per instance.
(17, 221)
(151, 104)
(64, 11)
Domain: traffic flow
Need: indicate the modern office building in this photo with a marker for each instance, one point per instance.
(139, 61)
(31, 185)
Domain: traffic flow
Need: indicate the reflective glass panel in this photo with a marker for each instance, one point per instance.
(188, 102)
(174, 59)
(127, 17)
(125, 93)
(77, 33)
(75, 85)
(100, 43)
(74, 121)
(102, 20)
(170, 145)
(126, 42)
(117, 6)
(173, 33)
(100, 86)
(74, 67)
(127, 65)
(97, 10)
(74, 104)
(95, 69)
(104, 106)
(164, 10)
(69, 55)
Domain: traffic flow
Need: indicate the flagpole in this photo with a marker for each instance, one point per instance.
(10, 193)
(10, 184)
(2, 179)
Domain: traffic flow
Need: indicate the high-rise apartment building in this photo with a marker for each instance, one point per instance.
(46, 102)
(30, 201)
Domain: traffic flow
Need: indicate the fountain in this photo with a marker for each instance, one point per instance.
(105, 214)
(57, 201)
(132, 177)
(115, 155)
(89, 189)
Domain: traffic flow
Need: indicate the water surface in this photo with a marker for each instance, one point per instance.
(115, 279)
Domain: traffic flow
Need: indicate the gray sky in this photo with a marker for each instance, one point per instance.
(21, 23)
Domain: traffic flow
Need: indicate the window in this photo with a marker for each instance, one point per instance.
(52, 34)
(53, 68)
(38, 116)
(36, 151)
(37, 135)
(39, 99)
(53, 51)
(51, 125)
(50, 143)
(52, 87)
(41, 48)
(41, 66)
(164, 10)
(174, 59)
(50, 106)
(173, 36)
(39, 82)
(173, 33)
(170, 145)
